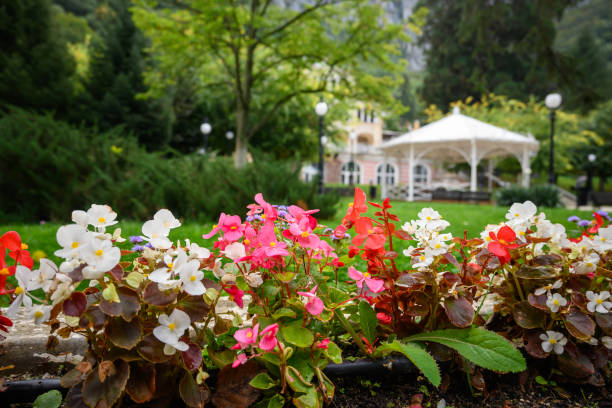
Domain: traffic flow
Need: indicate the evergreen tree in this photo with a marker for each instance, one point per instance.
(35, 66)
(115, 79)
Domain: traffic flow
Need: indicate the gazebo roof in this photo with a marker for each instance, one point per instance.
(450, 139)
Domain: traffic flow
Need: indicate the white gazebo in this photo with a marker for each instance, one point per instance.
(457, 138)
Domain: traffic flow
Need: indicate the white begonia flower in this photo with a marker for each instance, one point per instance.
(607, 342)
(117, 235)
(191, 278)
(603, 239)
(43, 276)
(598, 303)
(167, 219)
(63, 290)
(23, 276)
(197, 251)
(422, 261)
(171, 329)
(429, 214)
(157, 234)
(408, 251)
(555, 301)
(80, 217)
(486, 236)
(546, 289)
(593, 341)
(101, 216)
(170, 266)
(234, 251)
(437, 246)
(488, 307)
(254, 280)
(522, 211)
(553, 340)
(587, 265)
(410, 227)
(101, 256)
(73, 238)
(40, 313)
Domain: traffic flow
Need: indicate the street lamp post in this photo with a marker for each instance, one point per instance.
(553, 101)
(321, 110)
(205, 128)
(589, 184)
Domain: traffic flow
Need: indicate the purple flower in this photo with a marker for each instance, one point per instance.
(138, 248)
(148, 245)
(135, 239)
(327, 231)
(347, 235)
(249, 218)
(574, 218)
(602, 213)
(584, 223)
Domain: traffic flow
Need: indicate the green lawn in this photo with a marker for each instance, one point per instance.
(472, 218)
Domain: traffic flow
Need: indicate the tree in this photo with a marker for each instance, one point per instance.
(474, 47)
(115, 78)
(35, 66)
(261, 54)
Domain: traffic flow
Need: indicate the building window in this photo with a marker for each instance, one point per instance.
(420, 174)
(389, 174)
(351, 173)
(309, 173)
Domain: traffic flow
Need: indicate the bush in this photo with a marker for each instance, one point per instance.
(541, 196)
(50, 168)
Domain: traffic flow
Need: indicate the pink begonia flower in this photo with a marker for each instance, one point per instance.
(301, 232)
(323, 343)
(270, 213)
(297, 214)
(375, 285)
(314, 305)
(240, 359)
(268, 337)
(235, 295)
(246, 337)
(269, 244)
(232, 228)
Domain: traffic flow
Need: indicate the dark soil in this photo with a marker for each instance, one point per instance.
(400, 390)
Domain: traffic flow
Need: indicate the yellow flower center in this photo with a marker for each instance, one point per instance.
(521, 232)
(552, 341)
(38, 314)
(428, 218)
(263, 216)
(247, 241)
(166, 224)
(366, 275)
(488, 238)
(548, 287)
(75, 245)
(272, 244)
(599, 301)
(589, 264)
(305, 234)
(370, 231)
(155, 235)
(233, 227)
(18, 290)
(99, 252)
(556, 302)
(516, 215)
(171, 326)
(24, 246)
(422, 258)
(192, 278)
(350, 204)
(501, 241)
(603, 239)
(4, 271)
(249, 334)
(101, 220)
(170, 265)
(438, 246)
(215, 226)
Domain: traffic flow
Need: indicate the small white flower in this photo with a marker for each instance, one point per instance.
(40, 313)
(80, 217)
(22, 274)
(101, 256)
(101, 216)
(157, 234)
(437, 246)
(254, 280)
(165, 272)
(555, 301)
(63, 290)
(429, 214)
(410, 227)
(167, 219)
(586, 266)
(548, 288)
(553, 340)
(171, 329)
(607, 342)
(603, 240)
(593, 341)
(191, 278)
(43, 276)
(422, 261)
(598, 302)
(73, 238)
(522, 211)
(197, 251)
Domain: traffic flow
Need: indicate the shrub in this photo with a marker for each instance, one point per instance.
(50, 167)
(541, 196)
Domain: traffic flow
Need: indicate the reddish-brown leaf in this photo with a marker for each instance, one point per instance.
(152, 349)
(153, 296)
(574, 363)
(141, 384)
(459, 311)
(605, 322)
(192, 357)
(75, 305)
(401, 234)
(579, 324)
(192, 394)
(194, 306)
(233, 389)
(124, 334)
(117, 273)
(127, 307)
(533, 343)
(538, 301)
(106, 369)
(105, 394)
(76, 375)
(527, 316)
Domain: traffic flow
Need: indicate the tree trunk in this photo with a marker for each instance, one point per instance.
(241, 149)
(602, 182)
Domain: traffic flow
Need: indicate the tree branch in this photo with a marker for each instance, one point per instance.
(306, 11)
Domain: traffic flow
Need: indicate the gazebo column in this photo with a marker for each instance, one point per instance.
(526, 167)
(411, 174)
(383, 185)
(490, 168)
(473, 167)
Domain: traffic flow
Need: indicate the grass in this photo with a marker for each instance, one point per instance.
(469, 217)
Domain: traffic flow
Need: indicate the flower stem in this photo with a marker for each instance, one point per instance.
(352, 332)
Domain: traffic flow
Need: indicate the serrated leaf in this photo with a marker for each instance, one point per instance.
(415, 353)
(482, 347)
(50, 399)
(262, 381)
(333, 352)
(297, 335)
(368, 320)
(277, 401)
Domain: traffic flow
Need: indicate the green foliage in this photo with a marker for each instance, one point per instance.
(35, 66)
(415, 353)
(541, 196)
(482, 347)
(368, 321)
(110, 167)
(50, 399)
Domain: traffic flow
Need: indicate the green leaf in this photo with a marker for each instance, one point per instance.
(307, 400)
(283, 312)
(285, 277)
(296, 334)
(301, 360)
(270, 289)
(296, 381)
(482, 347)
(262, 381)
(541, 380)
(277, 401)
(333, 352)
(50, 399)
(337, 296)
(134, 279)
(368, 320)
(415, 353)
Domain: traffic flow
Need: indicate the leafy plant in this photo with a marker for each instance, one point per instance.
(541, 196)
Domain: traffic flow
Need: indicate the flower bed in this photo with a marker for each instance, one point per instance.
(148, 310)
